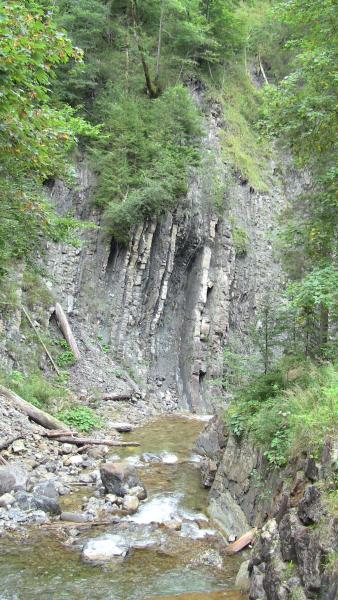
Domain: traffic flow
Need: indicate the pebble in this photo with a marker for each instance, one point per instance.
(18, 446)
(6, 500)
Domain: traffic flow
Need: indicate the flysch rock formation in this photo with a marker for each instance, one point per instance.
(167, 302)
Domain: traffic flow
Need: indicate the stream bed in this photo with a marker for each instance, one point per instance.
(186, 563)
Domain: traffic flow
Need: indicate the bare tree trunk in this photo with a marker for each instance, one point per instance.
(34, 413)
(158, 60)
(151, 87)
(324, 326)
(64, 439)
(262, 69)
(66, 330)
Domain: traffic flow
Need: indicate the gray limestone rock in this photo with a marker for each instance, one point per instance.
(310, 508)
(242, 581)
(118, 478)
(104, 548)
(28, 501)
(256, 591)
(12, 477)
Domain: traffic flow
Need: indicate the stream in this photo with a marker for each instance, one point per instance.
(161, 562)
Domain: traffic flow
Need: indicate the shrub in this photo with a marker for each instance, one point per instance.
(241, 241)
(66, 359)
(81, 417)
(286, 419)
(34, 388)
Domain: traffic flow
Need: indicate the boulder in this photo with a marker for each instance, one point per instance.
(75, 460)
(242, 582)
(130, 503)
(256, 583)
(12, 477)
(212, 440)
(138, 491)
(74, 517)
(309, 558)
(104, 548)
(33, 501)
(310, 508)
(208, 472)
(288, 527)
(311, 469)
(18, 446)
(6, 500)
(119, 478)
(47, 488)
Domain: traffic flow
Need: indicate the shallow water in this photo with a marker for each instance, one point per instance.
(161, 563)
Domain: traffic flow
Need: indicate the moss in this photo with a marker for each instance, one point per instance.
(241, 241)
(242, 146)
(35, 290)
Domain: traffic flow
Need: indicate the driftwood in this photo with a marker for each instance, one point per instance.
(63, 524)
(262, 70)
(241, 543)
(66, 330)
(117, 397)
(9, 441)
(36, 414)
(64, 439)
(57, 432)
(40, 340)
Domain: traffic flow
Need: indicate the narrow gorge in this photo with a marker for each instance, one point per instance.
(167, 325)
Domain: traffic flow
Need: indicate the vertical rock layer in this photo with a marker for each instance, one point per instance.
(167, 301)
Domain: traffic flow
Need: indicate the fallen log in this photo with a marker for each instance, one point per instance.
(9, 441)
(241, 543)
(57, 432)
(66, 330)
(64, 439)
(117, 397)
(34, 413)
(63, 524)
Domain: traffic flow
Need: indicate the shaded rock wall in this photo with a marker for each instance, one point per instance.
(295, 554)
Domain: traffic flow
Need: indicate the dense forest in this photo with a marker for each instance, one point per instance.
(112, 79)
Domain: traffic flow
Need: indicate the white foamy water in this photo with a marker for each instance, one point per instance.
(161, 508)
(168, 458)
(191, 530)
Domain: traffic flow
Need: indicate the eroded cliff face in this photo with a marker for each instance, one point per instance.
(167, 301)
(296, 542)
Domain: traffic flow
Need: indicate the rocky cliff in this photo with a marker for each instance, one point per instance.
(294, 555)
(167, 301)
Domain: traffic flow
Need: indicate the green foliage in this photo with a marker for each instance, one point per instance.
(241, 241)
(35, 135)
(285, 418)
(301, 110)
(35, 388)
(35, 290)
(242, 145)
(143, 162)
(81, 417)
(147, 148)
(66, 359)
